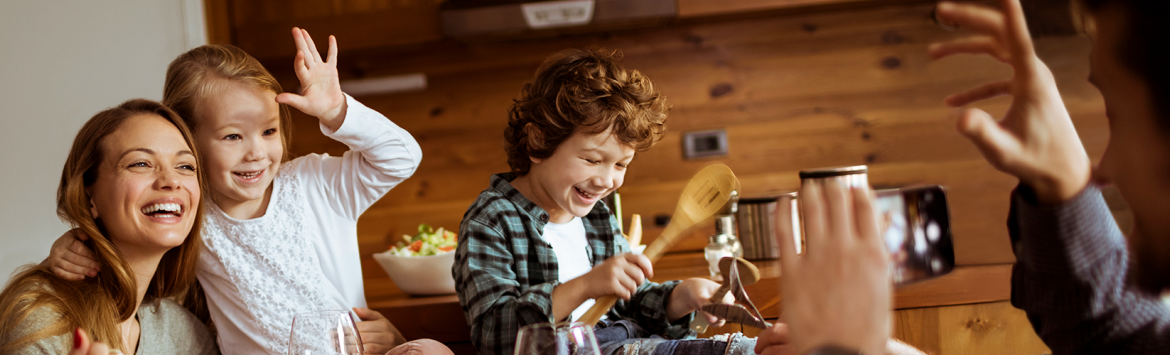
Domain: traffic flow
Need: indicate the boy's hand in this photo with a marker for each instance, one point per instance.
(321, 95)
(618, 276)
(690, 295)
(1035, 141)
(378, 335)
(839, 291)
(70, 259)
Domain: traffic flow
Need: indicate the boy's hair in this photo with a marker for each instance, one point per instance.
(582, 89)
(1145, 49)
(201, 72)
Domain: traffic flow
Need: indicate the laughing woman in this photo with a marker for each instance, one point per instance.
(131, 183)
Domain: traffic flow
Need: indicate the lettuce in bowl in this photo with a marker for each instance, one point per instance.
(427, 242)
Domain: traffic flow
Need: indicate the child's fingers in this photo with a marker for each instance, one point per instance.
(67, 275)
(296, 101)
(312, 47)
(332, 57)
(69, 264)
(642, 262)
(76, 247)
(302, 45)
(79, 234)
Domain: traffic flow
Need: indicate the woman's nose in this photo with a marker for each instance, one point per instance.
(168, 179)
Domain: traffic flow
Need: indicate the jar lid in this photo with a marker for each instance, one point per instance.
(822, 173)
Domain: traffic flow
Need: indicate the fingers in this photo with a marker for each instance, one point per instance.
(366, 314)
(969, 45)
(812, 206)
(866, 220)
(303, 54)
(312, 47)
(1019, 41)
(977, 18)
(775, 335)
(296, 101)
(332, 56)
(979, 93)
(642, 262)
(79, 234)
(837, 200)
(997, 145)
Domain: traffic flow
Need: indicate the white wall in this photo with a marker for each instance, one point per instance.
(62, 62)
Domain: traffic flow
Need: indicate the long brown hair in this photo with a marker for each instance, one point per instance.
(98, 304)
(582, 89)
(201, 72)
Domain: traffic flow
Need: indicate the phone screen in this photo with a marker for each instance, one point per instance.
(917, 232)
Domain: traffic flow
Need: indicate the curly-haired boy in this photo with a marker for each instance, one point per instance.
(538, 245)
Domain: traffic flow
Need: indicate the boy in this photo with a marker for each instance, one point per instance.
(538, 245)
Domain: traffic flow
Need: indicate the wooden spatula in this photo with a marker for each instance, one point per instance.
(703, 196)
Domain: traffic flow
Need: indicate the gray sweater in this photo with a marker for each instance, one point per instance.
(167, 328)
(1069, 278)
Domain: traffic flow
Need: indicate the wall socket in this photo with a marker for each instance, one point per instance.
(704, 144)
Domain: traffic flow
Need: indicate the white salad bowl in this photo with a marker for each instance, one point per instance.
(420, 275)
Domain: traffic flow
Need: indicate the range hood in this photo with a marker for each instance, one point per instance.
(512, 18)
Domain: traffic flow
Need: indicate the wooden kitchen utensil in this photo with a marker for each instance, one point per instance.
(703, 196)
(737, 272)
(635, 236)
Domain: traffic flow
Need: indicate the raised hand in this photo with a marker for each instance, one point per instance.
(838, 291)
(1035, 140)
(377, 333)
(320, 95)
(70, 259)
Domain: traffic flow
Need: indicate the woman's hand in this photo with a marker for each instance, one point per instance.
(70, 259)
(82, 345)
(838, 291)
(692, 294)
(378, 335)
(774, 341)
(1035, 141)
(321, 94)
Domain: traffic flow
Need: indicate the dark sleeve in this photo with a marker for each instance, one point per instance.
(1070, 279)
(495, 303)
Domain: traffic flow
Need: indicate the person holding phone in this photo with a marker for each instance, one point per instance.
(1072, 261)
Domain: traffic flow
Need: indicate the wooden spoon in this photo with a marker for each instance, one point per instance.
(635, 237)
(703, 196)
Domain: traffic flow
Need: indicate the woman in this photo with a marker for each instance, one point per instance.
(130, 182)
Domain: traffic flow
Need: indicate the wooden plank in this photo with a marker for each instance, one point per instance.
(217, 14)
(696, 8)
(986, 328)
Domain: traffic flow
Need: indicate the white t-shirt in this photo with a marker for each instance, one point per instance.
(572, 249)
(302, 254)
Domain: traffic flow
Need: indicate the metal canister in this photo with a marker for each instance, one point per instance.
(856, 176)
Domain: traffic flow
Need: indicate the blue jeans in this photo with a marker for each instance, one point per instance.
(616, 338)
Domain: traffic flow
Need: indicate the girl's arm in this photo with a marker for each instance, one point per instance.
(381, 154)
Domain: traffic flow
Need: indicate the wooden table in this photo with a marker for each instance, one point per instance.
(441, 317)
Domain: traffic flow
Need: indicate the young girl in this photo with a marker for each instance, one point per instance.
(280, 235)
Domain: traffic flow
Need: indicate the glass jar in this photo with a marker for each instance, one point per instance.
(722, 244)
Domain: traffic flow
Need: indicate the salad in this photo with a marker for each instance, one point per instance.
(427, 242)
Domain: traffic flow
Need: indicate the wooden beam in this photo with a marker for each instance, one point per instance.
(219, 21)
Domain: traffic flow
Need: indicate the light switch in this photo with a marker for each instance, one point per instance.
(705, 144)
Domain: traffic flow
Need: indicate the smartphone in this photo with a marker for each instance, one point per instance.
(917, 232)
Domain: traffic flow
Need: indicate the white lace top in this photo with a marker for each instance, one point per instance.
(302, 255)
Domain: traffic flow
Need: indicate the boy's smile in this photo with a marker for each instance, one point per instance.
(582, 170)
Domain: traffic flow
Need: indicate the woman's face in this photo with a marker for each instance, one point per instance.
(147, 189)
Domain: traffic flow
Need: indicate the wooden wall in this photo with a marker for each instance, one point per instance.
(793, 92)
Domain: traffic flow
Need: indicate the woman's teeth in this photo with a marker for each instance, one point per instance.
(163, 209)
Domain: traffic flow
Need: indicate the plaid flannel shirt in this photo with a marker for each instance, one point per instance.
(505, 273)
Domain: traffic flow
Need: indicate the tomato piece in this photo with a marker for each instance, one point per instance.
(416, 246)
(447, 248)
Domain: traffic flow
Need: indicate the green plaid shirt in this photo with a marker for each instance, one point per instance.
(505, 273)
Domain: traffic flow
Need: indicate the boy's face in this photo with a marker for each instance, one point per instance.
(1138, 157)
(583, 169)
(240, 139)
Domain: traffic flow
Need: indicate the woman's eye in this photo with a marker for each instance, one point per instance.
(187, 167)
(232, 137)
(140, 164)
(270, 131)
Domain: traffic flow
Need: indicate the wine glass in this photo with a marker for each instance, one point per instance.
(545, 338)
(324, 333)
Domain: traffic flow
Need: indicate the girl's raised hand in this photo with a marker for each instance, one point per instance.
(320, 95)
(70, 259)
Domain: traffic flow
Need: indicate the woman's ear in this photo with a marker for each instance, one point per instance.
(93, 209)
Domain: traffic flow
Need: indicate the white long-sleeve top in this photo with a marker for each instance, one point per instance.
(302, 255)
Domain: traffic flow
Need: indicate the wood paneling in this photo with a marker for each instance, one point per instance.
(986, 328)
(806, 91)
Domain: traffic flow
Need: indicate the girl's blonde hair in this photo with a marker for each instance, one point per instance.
(201, 72)
(98, 304)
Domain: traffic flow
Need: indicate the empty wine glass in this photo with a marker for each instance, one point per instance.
(324, 333)
(545, 338)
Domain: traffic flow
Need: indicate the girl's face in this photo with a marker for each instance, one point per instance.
(583, 169)
(147, 190)
(239, 133)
